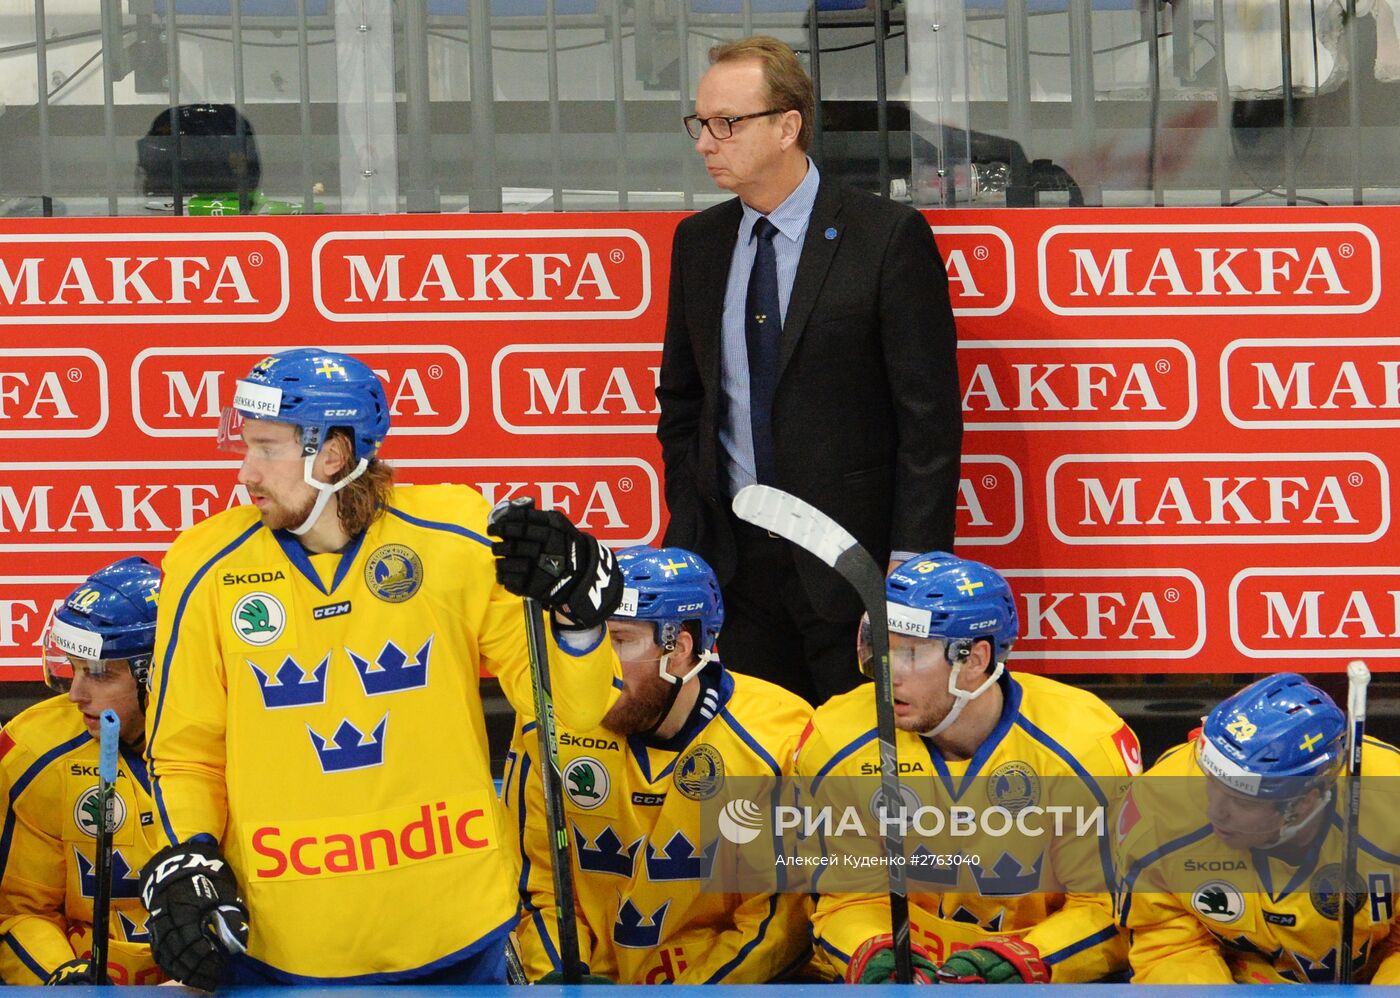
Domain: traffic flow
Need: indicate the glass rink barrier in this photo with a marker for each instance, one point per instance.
(288, 106)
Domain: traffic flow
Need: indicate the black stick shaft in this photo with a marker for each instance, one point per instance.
(553, 790)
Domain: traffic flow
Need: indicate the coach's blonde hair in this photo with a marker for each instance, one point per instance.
(789, 86)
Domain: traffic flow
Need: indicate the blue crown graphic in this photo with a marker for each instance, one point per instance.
(126, 883)
(348, 749)
(922, 870)
(629, 931)
(132, 932)
(1008, 878)
(607, 854)
(392, 670)
(676, 862)
(965, 917)
(1323, 970)
(294, 686)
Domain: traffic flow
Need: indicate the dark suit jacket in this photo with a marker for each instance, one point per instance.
(867, 417)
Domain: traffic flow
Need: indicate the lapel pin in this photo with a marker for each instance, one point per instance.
(830, 233)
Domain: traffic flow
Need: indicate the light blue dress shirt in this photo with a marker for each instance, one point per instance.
(790, 219)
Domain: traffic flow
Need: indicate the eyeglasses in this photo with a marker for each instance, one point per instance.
(722, 126)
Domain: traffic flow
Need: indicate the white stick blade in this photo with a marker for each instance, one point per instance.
(1358, 676)
(791, 518)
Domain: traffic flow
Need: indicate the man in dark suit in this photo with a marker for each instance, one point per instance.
(809, 346)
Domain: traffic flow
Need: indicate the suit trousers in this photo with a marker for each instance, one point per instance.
(771, 630)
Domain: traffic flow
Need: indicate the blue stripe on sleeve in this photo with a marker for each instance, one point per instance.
(170, 653)
(1065, 952)
(26, 958)
(451, 528)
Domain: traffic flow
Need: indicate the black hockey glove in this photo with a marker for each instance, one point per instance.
(197, 918)
(542, 555)
(78, 971)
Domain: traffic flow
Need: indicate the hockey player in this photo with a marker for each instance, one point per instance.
(97, 650)
(1231, 847)
(1017, 907)
(633, 789)
(316, 735)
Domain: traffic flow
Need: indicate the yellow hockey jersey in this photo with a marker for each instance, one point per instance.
(1039, 878)
(1201, 912)
(641, 854)
(48, 776)
(320, 716)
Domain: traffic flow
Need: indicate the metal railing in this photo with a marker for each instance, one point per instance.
(575, 104)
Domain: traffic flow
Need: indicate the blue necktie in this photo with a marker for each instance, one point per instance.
(763, 328)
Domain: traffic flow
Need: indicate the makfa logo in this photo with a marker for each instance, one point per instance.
(181, 391)
(617, 500)
(460, 275)
(991, 501)
(27, 604)
(1321, 383)
(1110, 499)
(1077, 385)
(1209, 269)
(151, 277)
(109, 505)
(1322, 612)
(1109, 614)
(981, 265)
(52, 393)
(577, 387)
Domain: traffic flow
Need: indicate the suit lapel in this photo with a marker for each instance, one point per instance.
(711, 278)
(817, 254)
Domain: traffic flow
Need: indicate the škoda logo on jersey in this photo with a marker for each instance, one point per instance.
(385, 840)
(52, 393)
(181, 391)
(590, 388)
(1299, 268)
(1332, 613)
(1077, 385)
(142, 276)
(1333, 383)
(457, 275)
(1108, 614)
(1254, 498)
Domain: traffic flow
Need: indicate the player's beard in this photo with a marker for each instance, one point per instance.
(276, 516)
(639, 708)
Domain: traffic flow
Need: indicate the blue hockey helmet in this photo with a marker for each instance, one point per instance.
(941, 595)
(110, 616)
(316, 391)
(669, 586)
(1275, 739)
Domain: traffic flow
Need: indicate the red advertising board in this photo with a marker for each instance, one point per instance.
(1161, 405)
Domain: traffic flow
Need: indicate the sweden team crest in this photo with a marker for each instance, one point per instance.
(1014, 786)
(394, 572)
(699, 773)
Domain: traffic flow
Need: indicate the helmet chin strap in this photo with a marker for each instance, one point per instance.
(324, 490)
(1290, 829)
(961, 698)
(676, 682)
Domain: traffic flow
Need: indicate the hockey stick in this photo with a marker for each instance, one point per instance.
(109, 734)
(553, 790)
(1357, 678)
(818, 534)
